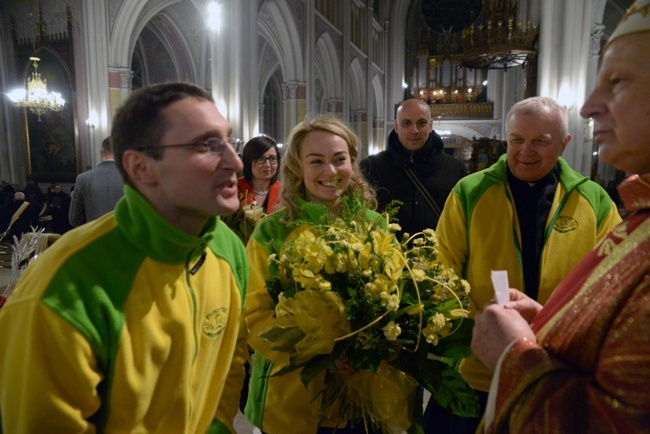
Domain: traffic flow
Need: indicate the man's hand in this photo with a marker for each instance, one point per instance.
(495, 328)
(526, 306)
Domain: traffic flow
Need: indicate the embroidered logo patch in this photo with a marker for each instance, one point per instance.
(215, 322)
(565, 224)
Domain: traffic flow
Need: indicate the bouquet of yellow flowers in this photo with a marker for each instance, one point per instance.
(352, 300)
(243, 222)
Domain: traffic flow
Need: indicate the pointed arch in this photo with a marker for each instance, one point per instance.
(268, 66)
(356, 88)
(378, 96)
(328, 66)
(166, 30)
(278, 27)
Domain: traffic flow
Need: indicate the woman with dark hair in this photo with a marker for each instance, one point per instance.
(260, 181)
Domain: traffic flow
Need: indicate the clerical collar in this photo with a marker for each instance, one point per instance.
(516, 183)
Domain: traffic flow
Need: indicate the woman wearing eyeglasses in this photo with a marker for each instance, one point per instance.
(260, 181)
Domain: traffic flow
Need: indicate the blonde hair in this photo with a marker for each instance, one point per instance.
(293, 185)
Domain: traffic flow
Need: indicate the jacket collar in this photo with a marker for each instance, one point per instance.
(149, 232)
(431, 150)
(569, 178)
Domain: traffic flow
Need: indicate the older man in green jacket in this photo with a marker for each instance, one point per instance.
(529, 213)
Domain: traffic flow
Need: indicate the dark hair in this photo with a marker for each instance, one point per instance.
(107, 148)
(255, 148)
(138, 123)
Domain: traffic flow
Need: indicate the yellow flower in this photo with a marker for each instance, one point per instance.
(339, 265)
(390, 301)
(456, 313)
(319, 315)
(418, 275)
(306, 278)
(392, 331)
(430, 236)
(381, 284)
(438, 327)
(437, 322)
(465, 285)
(366, 258)
(253, 212)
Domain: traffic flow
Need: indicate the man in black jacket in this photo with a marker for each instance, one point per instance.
(24, 217)
(413, 169)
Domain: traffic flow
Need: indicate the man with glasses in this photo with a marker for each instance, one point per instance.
(133, 322)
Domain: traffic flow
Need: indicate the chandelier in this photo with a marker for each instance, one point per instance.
(36, 97)
(498, 39)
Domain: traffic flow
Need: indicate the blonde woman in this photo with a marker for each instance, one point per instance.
(320, 178)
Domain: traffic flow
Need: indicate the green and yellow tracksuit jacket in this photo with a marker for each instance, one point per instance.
(282, 404)
(479, 232)
(126, 324)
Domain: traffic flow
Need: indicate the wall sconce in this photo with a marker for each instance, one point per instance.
(92, 120)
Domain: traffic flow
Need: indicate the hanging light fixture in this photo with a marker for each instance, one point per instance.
(36, 97)
(498, 39)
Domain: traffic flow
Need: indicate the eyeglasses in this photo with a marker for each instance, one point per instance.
(213, 145)
(261, 160)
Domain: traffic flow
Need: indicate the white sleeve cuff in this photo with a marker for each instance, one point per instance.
(494, 388)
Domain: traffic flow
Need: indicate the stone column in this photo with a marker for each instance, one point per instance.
(233, 49)
(563, 66)
(335, 106)
(379, 135)
(119, 85)
(294, 101)
(360, 126)
(95, 47)
(12, 155)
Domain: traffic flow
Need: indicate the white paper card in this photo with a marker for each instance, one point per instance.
(500, 283)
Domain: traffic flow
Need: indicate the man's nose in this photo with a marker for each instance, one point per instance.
(231, 159)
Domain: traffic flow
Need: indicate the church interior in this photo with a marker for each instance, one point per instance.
(269, 62)
(67, 65)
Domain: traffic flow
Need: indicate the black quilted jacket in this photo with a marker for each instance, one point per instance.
(436, 170)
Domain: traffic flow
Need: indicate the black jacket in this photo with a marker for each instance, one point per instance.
(27, 219)
(435, 169)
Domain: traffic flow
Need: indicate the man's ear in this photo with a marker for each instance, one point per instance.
(138, 166)
(565, 142)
